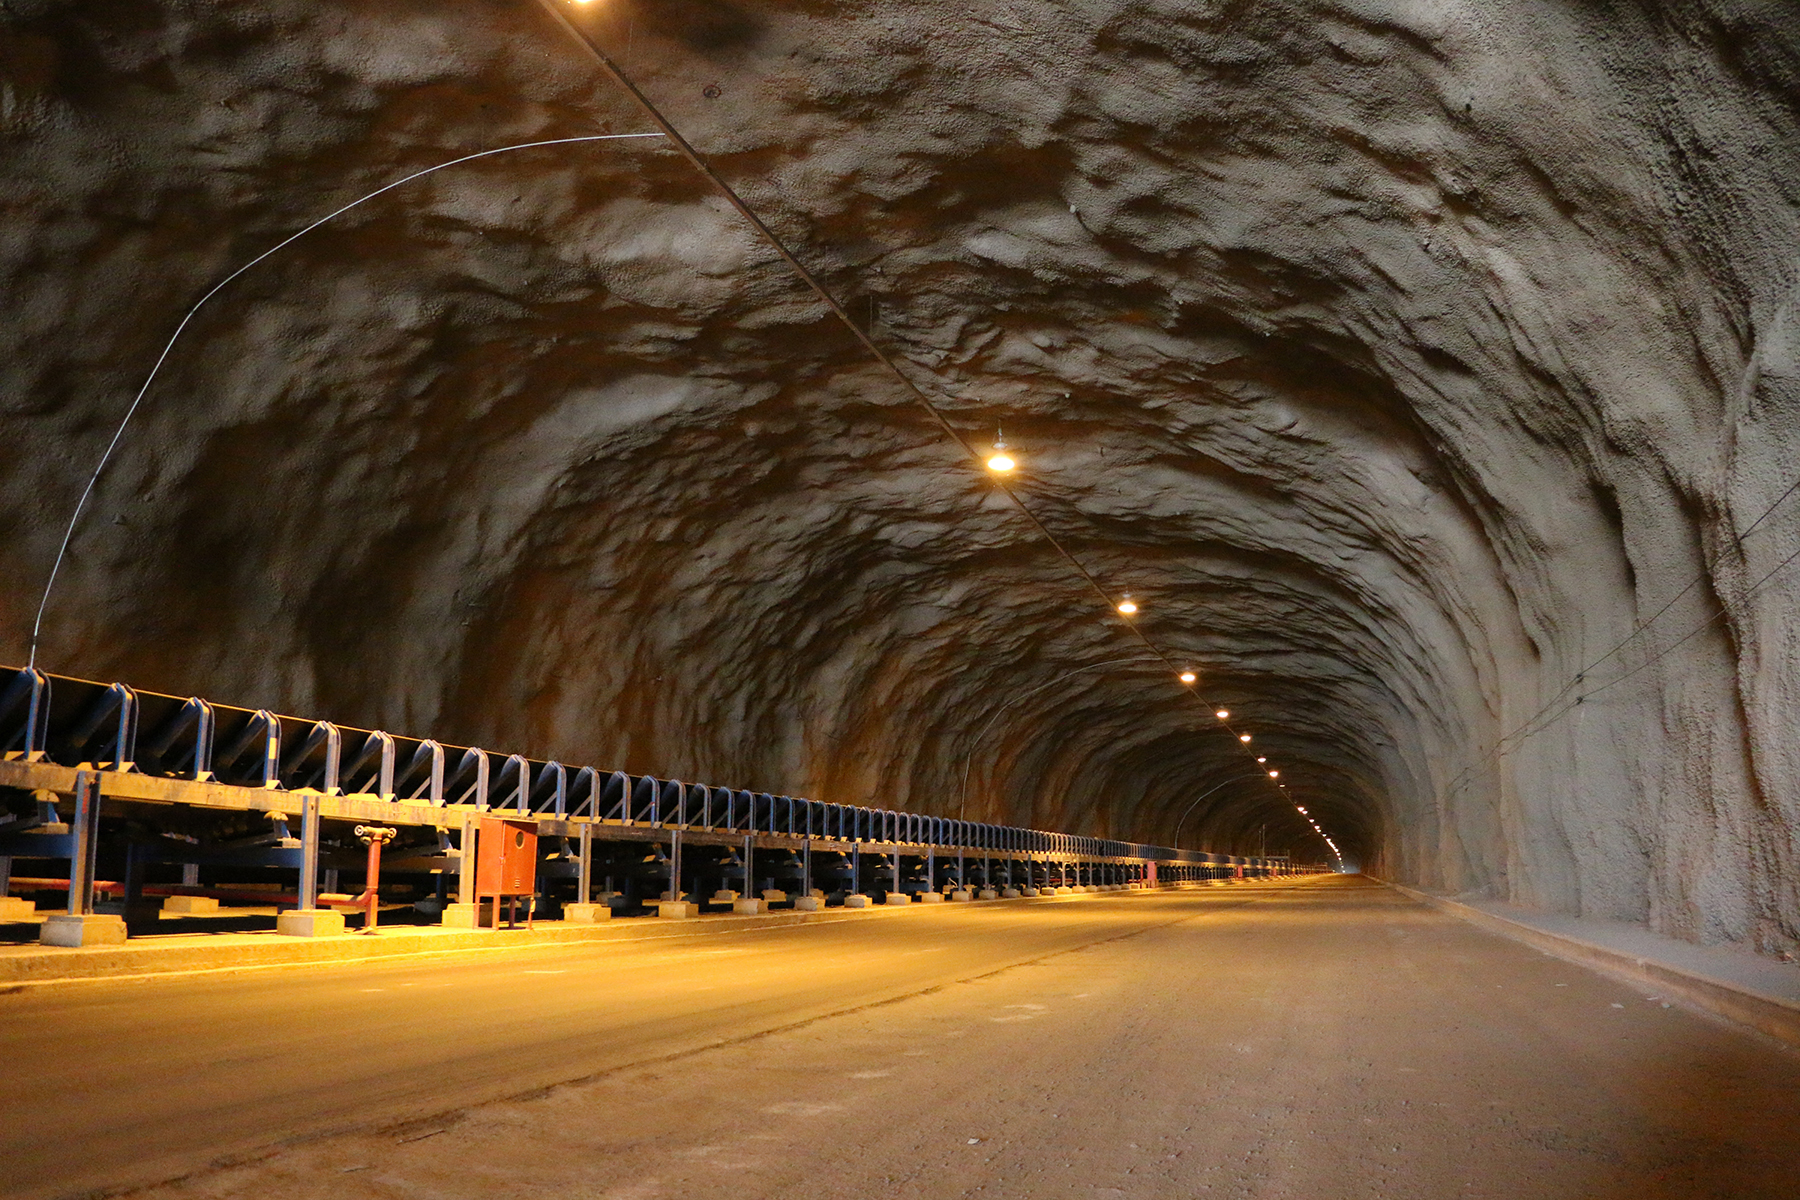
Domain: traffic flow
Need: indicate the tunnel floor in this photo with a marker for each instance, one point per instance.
(1330, 1038)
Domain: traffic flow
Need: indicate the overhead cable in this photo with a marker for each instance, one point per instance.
(649, 108)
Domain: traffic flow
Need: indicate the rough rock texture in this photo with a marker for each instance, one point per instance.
(1401, 358)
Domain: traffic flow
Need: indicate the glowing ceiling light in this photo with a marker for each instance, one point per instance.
(1243, 737)
(1273, 774)
(1000, 462)
(1261, 758)
(1188, 677)
(1302, 810)
(1127, 606)
(1223, 714)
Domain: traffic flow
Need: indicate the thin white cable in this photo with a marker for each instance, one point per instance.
(81, 505)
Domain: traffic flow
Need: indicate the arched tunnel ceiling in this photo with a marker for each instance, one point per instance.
(1400, 358)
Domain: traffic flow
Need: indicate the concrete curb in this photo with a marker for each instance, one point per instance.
(36, 965)
(1775, 1016)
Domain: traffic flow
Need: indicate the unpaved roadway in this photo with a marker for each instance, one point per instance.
(1327, 1039)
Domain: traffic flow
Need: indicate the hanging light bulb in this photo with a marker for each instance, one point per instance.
(1223, 714)
(1000, 462)
(1262, 759)
(1127, 605)
(1243, 737)
(1188, 677)
(1274, 774)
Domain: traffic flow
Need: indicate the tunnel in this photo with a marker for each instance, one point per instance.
(1350, 434)
(1422, 375)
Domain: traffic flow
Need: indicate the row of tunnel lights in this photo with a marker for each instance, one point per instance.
(1002, 463)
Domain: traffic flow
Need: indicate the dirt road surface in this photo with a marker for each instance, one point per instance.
(1329, 1038)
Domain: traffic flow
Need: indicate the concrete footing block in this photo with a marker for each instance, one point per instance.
(1011, 893)
(1029, 892)
(190, 905)
(774, 896)
(898, 898)
(987, 894)
(747, 908)
(856, 900)
(808, 904)
(724, 896)
(587, 914)
(63, 929)
(12, 908)
(931, 897)
(310, 922)
(677, 910)
(961, 894)
(458, 916)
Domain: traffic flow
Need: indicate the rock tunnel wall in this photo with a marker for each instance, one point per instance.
(1402, 358)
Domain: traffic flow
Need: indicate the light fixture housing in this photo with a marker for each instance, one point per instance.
(1243, 737)
(1127, 606)
(1223, 714)
(1188, 677)
(1274, 774)
(1262, 758)
(1000, 462)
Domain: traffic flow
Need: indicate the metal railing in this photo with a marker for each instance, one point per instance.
(67, 722)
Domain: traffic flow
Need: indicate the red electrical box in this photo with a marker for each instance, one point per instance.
(506, 859)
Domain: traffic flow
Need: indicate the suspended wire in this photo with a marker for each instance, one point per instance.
(1580, 676)
(617, 74)
(1696, 631)
(93, 479)
(1545, 717)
